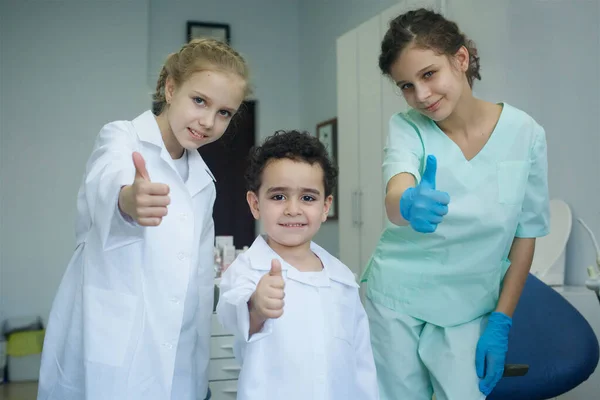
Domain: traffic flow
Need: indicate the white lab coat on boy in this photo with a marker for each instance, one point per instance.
(319, 349)
(131, 320)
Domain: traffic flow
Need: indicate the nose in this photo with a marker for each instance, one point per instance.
(292, 208)
(207, 120)
(422, 92)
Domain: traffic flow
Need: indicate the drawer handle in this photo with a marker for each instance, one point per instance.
(227, 347)
(232, 369)
(229, 390)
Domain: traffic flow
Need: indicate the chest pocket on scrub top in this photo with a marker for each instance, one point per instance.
(512, 181)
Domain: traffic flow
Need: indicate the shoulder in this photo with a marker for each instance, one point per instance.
(122, 131)
(240, 268)
(518, 118)
(410, 122)
(336, 269)
(523, 126)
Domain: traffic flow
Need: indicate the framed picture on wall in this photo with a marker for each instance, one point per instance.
(197, 29)
(327, 134)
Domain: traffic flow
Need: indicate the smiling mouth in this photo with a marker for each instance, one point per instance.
(197, 134)
(433, 106)
(292, 225)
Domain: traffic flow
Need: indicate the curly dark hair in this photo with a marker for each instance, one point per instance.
(428, 30)
(293, 145)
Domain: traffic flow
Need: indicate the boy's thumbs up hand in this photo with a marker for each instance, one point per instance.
(267, 300)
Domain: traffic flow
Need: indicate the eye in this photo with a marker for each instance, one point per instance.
(199, 100)
(428, 74)
(278, 197)
(308, 198)
(406, 86)
(225, 113)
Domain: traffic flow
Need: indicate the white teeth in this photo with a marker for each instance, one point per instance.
(196, 133)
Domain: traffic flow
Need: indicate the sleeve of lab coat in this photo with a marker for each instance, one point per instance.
(109, 168)
(238, 284)
(365, 363)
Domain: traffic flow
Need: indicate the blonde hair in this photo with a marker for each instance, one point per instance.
(199, 55)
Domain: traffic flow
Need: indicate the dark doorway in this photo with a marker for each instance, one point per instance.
(227, 159)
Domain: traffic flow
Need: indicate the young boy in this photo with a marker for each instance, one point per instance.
(315, 344)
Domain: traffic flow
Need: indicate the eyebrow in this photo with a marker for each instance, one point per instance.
(287, 189)
(418, 73)
(205, 97)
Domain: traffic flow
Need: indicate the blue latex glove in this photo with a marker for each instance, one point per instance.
(423, 206)
(490, 355)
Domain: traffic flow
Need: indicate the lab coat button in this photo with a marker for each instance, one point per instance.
(175, 300)
(183, 216)
(168, 345)
(181, 256)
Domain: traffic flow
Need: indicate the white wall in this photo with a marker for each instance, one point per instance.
(94, 61)
(544, 57)
(540, 56)
(67, 67)
(265, 32)
(322, 22)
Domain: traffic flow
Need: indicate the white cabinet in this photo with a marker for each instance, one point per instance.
(366, 101)
(223, 369)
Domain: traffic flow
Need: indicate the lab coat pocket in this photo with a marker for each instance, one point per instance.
(343, 322)
(108, 323)
(512, 181)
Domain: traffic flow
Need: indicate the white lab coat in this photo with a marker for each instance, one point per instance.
(115, 328)
(319, 349)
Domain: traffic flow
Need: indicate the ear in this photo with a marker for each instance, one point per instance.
(169, 89)
(252, 200)
(462, 59)
(326, 207)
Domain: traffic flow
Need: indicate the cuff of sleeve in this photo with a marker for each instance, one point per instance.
(122, 229)
(392, 169)
(243, 317)
(531, 233)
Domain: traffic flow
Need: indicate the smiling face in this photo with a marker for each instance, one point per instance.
(291, 202)
(431, 83)
(199, 110)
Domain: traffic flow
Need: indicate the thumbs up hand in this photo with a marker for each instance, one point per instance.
(423, 206)
(144, 201)
(267, 300)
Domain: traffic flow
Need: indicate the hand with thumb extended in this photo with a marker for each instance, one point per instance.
(267, 300)
(423, 206)
(144, 201)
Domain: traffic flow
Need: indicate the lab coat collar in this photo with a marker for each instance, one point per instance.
(199, 174)
(260, 254)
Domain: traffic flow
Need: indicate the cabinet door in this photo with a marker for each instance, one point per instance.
(348, 156)
(369, 138)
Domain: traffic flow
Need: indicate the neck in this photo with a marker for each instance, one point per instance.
(466, 115)
(293, 255)
(172, 145)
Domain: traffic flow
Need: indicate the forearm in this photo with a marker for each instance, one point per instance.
(256, 321)
(395, 189)
(521, 256)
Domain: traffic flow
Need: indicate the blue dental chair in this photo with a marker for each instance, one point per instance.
(554, 339)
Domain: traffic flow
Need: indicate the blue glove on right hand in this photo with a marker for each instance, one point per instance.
(423, 206)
